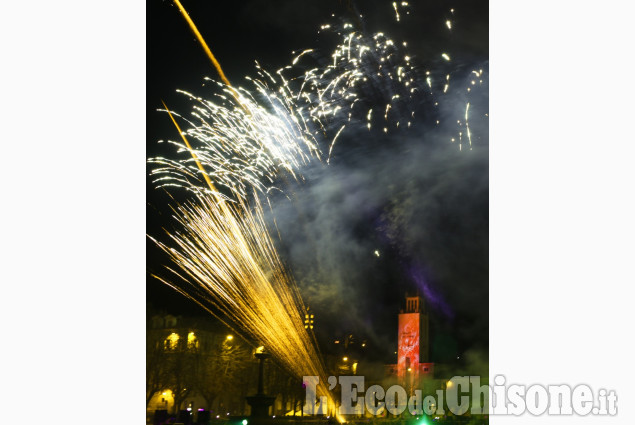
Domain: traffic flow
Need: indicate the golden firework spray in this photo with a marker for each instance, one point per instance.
(198, 163)
(200, 38)
(206, 48)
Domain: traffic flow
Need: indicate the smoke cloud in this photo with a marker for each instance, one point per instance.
(393, 214)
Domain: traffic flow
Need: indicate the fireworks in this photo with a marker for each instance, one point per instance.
(253, 138)
(370, 82)
(229, 261)
(245, 142)
(365, 71)
(225, 254)
(224, 251)
(240, 144)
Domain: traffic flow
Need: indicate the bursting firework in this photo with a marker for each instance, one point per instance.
(252, 138)
(240, 143)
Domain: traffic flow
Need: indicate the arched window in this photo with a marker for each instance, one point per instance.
(192, 341)
(170, 321)
(171, 342)
(157, 322)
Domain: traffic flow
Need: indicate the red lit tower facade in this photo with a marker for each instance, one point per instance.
(413, 343)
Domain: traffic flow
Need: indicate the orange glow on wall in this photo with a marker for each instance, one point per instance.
(409, 337)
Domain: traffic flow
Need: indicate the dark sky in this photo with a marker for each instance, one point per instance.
(417, 200)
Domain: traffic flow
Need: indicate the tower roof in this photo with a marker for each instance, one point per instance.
(413, 304)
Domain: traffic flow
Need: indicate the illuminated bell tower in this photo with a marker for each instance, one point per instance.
(412, 339)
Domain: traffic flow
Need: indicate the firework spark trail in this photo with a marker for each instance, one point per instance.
(201, 40)
(241, 143)
(226, 255)
(189, 147)
(364, 71)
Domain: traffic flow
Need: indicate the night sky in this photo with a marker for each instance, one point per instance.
(411, 196)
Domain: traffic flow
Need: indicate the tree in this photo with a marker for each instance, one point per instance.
(222, 371)
(282, 384)
(181, 363)
(157, 378)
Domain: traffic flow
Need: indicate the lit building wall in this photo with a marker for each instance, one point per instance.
(409, 339)
(413, 342)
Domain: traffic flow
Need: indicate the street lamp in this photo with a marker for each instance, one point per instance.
(165, 399)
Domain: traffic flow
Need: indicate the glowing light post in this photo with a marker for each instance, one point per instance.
(165, 399)
(260, 402)
(226, 352)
